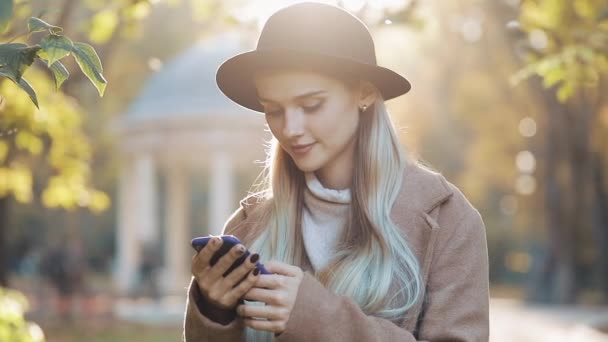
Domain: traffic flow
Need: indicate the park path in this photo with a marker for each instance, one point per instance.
(512, 320)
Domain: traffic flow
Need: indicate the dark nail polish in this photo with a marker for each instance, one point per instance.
(256, 271)
(254, 258)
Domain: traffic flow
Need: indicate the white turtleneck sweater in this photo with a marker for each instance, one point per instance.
(324, 218)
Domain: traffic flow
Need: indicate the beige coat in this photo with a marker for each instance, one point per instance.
(447, 235)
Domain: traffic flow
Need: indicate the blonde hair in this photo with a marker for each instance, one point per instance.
(373, 252)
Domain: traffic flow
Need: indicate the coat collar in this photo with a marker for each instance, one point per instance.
(422, 189)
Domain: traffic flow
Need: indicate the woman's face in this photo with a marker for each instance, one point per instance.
(313, 116)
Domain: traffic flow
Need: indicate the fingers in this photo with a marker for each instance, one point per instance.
(226, 261)
(282, 268)
(217, 289)
(204, 273)
(262, 311)
(272, 281)
(272, 326)
(238, 273)
(264, 295)
(200, 261)
(234, 294)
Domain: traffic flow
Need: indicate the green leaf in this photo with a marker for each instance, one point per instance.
(37, 25)
(6, 13)
(15, 58)
(5, 72)
(29, 90)
(56, 47)
(89, 63)
(60, 73)
(23, 84)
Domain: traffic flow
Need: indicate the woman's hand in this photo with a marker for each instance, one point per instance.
(278, 291)
(218, 290)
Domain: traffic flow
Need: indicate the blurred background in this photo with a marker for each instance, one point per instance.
(100, 195)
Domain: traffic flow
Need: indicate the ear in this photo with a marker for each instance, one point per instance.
(367, 94)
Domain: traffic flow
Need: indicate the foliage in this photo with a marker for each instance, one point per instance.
(68, 152)
(52, 133)
(15, 58)
(13, 326)
(568, 43)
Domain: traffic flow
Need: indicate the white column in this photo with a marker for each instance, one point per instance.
(147, 198)
(177, 253)
(128, 249)
(221, 194)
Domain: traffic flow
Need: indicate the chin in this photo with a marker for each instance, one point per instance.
(310, 162)
(307, 165)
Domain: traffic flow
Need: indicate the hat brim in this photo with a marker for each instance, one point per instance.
(235, 76)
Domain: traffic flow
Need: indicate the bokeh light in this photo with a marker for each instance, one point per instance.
(525, 184)
(525, 161)
(527, 127)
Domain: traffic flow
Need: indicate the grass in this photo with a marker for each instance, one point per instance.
(107, 330)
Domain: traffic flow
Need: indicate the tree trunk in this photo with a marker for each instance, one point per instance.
(600, 226)
(4, 212)
(554, 278)
(556, 252)
(579, 115)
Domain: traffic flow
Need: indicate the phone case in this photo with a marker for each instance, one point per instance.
(228, 242)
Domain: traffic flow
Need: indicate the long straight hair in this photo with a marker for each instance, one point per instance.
(373, 263)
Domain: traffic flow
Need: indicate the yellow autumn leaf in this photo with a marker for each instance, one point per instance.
(100, 201)
(103, 25)
(20, 179)
(29, 142)
(58, 194)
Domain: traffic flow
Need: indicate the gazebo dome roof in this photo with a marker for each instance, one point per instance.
(186, 87)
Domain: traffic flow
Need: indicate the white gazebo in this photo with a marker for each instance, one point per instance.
(181, 126)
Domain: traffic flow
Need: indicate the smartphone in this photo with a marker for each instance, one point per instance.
(228, 242)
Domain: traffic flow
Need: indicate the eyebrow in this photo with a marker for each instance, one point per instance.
(298, 97)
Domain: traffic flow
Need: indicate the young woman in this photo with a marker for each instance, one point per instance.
(364, 243)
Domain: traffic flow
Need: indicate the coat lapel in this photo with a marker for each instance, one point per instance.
(415, 211)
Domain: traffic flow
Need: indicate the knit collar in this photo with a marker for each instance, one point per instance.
(342, 196)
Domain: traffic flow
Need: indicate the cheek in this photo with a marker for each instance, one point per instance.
(337, 129)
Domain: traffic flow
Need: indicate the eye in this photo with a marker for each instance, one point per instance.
(313, 108)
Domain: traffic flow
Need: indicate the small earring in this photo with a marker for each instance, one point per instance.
(363, 108)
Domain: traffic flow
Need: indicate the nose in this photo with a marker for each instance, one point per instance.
(293, 125)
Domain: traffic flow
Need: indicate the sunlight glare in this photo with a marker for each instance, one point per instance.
(259, 11)
(353, 5)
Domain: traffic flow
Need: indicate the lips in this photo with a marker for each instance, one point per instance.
(303, 148)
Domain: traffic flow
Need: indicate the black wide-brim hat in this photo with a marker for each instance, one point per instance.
(309, 36)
